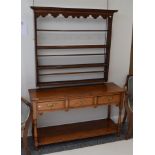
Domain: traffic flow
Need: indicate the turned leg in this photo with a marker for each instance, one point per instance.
(35, 134)
(125, 116)
(109, 111)
(119, 122)
(34, 125)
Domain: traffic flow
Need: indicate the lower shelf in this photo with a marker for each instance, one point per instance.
(67, 132)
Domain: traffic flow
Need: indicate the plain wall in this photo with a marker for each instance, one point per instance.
(119, 57)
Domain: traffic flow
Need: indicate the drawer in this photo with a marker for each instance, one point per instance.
(109, 99)
(80, 102)
(51, 105)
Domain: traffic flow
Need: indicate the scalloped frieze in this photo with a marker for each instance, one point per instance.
(66, 12)
(55, 15)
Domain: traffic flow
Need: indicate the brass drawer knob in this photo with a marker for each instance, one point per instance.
(110, 98)
(50, 105)
(81, 102)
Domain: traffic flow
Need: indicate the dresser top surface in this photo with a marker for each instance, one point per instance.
(74, 91)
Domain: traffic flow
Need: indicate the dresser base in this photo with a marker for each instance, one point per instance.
(67, 132)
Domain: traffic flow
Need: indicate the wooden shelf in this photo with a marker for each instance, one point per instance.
(71, 55)
(67, 73)
(72, 82)
(71, 46)
(61, 133)
(71, 66)
(72, 30)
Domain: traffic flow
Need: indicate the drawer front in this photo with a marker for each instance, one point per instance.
(51, 105)
(109, 99)
(80, 102)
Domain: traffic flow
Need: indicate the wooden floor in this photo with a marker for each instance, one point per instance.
(74, 131)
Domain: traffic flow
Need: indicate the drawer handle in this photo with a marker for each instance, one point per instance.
(110, 98)
(50, 105)
(81, 102)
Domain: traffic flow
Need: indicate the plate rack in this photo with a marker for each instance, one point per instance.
(46, 70)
